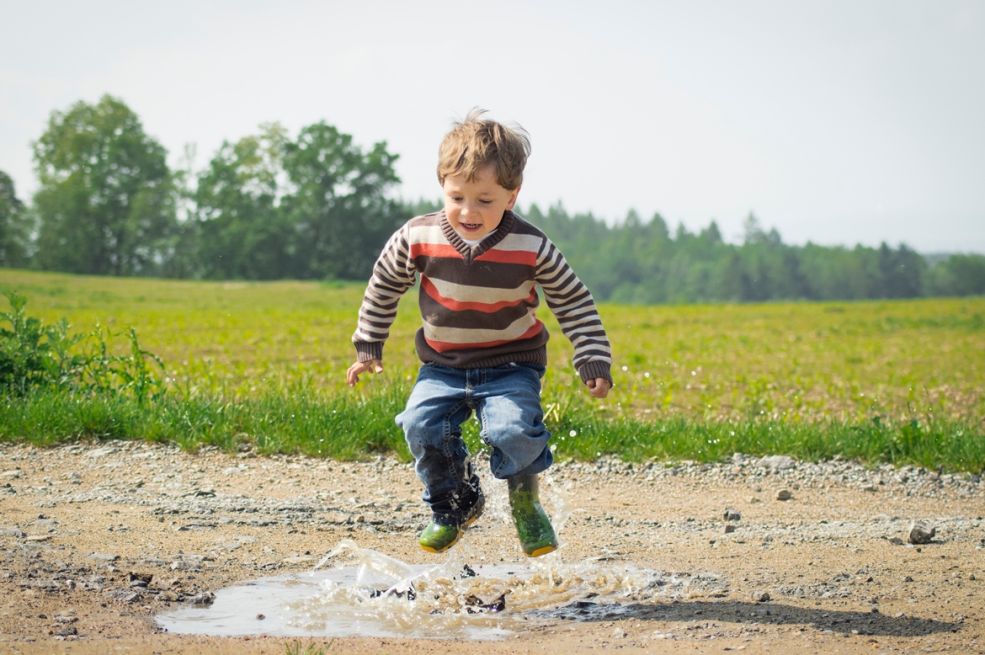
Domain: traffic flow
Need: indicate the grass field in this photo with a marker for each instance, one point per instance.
(897, 381)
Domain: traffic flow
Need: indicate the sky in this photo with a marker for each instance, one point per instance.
(837, 122)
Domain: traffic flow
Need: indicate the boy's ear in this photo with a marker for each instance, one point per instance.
(513, 196)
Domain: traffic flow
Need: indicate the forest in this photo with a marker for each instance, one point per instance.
(316, 205)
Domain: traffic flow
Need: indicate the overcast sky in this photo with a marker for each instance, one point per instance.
(838, 122)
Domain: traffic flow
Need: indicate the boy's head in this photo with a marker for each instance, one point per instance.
(476, 143)
(480, 168)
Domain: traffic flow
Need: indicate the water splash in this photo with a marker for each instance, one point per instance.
(368, 593)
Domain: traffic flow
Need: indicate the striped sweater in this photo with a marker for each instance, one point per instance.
(478, 304)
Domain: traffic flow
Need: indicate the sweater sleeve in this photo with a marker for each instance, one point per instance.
(393, 274)
(574, 307)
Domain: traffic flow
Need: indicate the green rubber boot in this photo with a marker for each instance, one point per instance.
(439, 536)
(532, 523)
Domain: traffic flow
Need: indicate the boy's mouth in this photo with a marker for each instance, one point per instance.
(471, 226)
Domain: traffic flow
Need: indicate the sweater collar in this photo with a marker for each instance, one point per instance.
(488, 242)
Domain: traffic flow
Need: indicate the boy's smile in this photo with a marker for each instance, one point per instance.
(475, 208)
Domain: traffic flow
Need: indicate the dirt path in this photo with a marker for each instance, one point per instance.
(97, 540)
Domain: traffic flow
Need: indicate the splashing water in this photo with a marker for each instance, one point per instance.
(368, 593)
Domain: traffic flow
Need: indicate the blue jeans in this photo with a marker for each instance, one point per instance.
(507, 401)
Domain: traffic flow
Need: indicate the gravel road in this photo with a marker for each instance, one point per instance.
(771, 554)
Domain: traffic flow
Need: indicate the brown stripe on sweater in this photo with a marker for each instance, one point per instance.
(436, 314)
(476, 273)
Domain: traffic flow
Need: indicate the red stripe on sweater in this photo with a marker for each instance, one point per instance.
(445, 250)
(525, 257)
(445, 346)
(456, 305)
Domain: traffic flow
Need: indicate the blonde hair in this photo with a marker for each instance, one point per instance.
(475, 143)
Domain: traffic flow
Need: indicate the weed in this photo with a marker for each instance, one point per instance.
(33, 355)
(297, 648)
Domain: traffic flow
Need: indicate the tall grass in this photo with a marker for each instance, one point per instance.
(353, 428)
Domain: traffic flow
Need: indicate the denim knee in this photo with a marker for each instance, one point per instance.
(513, 422)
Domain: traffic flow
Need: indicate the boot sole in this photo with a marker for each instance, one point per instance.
(543, 550)
(435, 551)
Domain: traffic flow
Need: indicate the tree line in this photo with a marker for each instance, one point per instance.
(317, 206)
(643, 261)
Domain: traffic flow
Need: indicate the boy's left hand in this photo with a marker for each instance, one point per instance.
(598, 387)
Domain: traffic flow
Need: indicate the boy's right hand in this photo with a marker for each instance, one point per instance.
(357, 369)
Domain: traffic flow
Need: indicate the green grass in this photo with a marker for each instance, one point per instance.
(297, 648)
(345, 428)
(264, 363)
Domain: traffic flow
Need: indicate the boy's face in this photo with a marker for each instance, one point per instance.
(476, 208)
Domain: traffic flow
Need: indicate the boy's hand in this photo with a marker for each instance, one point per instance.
(357, 369)
(598, 387)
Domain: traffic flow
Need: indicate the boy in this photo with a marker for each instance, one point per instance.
(481, 344)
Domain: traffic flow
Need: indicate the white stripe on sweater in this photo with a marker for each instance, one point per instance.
(477, 335)
(466, 293)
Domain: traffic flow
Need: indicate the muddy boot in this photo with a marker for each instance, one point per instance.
(445, 530)
(532, 523)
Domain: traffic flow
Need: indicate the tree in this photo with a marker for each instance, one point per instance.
(752, 230)
(338, 207)
(15, 225)
(241, 230)
(960, 275)
(658, 228)
(901, 272)
(711, 235)
(269, 206)
(105, 199)
(180, 249)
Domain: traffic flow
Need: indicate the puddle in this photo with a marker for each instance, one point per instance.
(367, 593)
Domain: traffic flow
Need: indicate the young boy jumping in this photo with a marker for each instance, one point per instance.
(482, 346)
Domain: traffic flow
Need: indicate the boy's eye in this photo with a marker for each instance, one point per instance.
(486, 202)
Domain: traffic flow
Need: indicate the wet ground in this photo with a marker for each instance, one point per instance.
(120, 547)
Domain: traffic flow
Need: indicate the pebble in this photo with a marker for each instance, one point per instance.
(125, 595)
(64, 631)
(104, 557)
(187, 563)
(784, 494)
(203, 599)
(299, 559)
(921, 532)
(779, 462)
